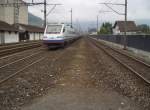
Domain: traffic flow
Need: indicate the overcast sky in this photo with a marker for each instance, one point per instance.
(87, 10)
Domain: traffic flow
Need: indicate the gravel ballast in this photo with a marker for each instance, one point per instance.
(79, 77)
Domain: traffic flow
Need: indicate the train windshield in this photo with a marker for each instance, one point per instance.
(53, 29)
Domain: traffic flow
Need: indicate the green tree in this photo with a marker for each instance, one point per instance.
(144, 28)
(106, 28)
(103, 30)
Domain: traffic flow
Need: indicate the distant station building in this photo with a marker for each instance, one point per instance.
(119, 28)
(8, 33)
(14, 20)
(13, 14)
(29, 32)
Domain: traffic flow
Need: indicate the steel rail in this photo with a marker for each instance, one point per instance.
(16, 44)
(19, 60)
(17, 49)
(133, 58)
(26, 67)
(21, 70)
(119, 61)
(3, 50)
(5, 57)
(125, 54)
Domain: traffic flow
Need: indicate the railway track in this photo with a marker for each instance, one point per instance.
(17, 48)
(138, 67)
(20, 53)
(11, 69)
(19, 71)
(8, 46)
(14, 68)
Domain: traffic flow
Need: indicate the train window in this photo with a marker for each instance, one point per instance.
(54, 29)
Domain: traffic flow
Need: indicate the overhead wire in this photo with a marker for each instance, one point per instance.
(111, 1)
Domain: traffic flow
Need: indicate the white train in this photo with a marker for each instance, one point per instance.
(59, 35)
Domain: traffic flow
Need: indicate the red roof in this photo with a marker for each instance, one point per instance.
(131, 26)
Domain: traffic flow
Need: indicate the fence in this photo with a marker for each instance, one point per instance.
(141, 42)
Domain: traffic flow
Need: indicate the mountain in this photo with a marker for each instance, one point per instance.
(34, 20)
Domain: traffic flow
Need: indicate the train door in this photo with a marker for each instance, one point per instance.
(34, 36)
(21, 36)
(27, 36)
(39, 36)
(2, 39)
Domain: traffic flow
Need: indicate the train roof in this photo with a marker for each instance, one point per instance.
(55, 23)
(59, 24)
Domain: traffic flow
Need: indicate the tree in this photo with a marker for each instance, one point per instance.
(106, 28)
(144, 28)
(103, 30)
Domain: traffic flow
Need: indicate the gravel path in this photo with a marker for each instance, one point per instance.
(86, 79)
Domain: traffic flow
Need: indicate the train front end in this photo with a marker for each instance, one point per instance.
(53, 36)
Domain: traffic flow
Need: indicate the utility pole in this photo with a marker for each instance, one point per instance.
(16, 12)
(71, 19)
(102, 11)
(97, 23)
(124, 14)
(125, 26)
(45, 12)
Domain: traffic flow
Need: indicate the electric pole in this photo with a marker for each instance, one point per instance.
(125, 21)
(97, 23)
(16, 12)
(102, 11)
(45, 12)
(125, 26)
(71, 18)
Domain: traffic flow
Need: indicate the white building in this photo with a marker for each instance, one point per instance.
(11, 17)
(30, 32)
(119, 28)
(13, 14)
(8, 33)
